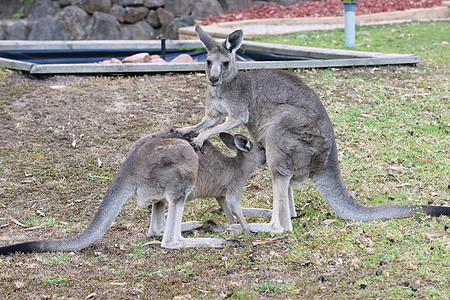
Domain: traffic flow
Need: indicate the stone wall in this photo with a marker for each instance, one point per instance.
(107, 19)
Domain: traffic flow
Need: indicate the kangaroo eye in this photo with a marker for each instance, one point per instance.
(208, 62)
(226, 64)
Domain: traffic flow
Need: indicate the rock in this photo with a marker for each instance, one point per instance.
(158, 61)
(41, 9)
(2, 33)
(153, 19)
(105, 27)
(166, 18)
(154, 3)
(130, 2)
(92, 6)
(141, 31)
(137, 58)
(110, 61)
(64, 3)
(234, 5)
(18, 31)
(183, 58)
(179, 7)
(118, 12)
(285, 2)
(9, 9)
(259, 3)
(46, 29)
(207, 8)
(125, 34)
(185, 21)
(135, 14)
(171, 31)
(73, 21)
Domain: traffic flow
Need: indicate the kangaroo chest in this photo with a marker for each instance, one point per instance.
(217, 102)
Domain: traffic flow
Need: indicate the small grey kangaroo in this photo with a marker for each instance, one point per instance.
(286, 116)
(165, 168)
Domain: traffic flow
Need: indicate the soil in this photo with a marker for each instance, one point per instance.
(324, 8)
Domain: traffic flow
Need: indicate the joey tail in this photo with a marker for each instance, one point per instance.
(116, 196)
(331, 186)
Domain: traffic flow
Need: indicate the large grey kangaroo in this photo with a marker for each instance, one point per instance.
(165, 168)
(287, 118)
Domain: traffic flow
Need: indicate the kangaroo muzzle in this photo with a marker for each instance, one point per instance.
(214, 76)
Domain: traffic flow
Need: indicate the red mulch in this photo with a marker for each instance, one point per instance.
(324, 8)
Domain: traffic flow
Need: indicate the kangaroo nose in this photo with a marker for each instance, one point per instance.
(214, 79)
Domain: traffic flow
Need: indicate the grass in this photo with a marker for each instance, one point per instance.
(426, 39)
(392, 128)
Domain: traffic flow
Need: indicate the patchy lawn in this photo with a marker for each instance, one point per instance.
(63, 138)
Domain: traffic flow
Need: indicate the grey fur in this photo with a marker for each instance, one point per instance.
(286, 116)
(164, 168)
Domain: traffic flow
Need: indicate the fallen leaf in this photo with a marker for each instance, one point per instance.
(424, 160)
(299, 215)
(151, 243)
(436, 234)
(57, 87)
(396, 168)
(27, 181)
(120, 228)
(19, 284)
(5, 238)
(91, 295)
(402, 185)
(368, 116)
(74, 143)
(274, 240)
(17, 222)
(99, 162)
(328, 222)
(118, 283)
(33, 228)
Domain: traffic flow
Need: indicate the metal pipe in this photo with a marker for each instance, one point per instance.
(349, 7)
(163, 48)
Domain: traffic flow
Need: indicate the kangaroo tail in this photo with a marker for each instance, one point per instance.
(116, 196)
(331, 186)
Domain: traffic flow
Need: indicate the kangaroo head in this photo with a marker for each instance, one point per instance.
(221, 59)
(243, 145)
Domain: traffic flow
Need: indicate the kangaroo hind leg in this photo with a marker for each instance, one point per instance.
(281, 213)
(158, 221)
(172, 234)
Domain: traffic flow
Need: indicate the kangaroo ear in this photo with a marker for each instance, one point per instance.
(206, 39)
(243, 143)
(228, 140)
(234, 40)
